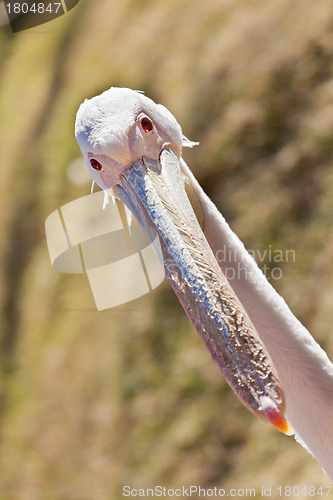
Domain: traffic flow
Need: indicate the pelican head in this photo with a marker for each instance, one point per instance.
(121, 126)
(133, 147)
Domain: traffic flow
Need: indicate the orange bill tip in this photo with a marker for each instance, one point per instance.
(278, 420)
(275, 417)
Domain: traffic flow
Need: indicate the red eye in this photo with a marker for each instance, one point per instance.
(95, 164)
(146, 124)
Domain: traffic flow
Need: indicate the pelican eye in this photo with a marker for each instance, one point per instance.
(95, 164)
(146, 124)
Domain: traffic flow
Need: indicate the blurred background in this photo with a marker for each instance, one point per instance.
(91, 401)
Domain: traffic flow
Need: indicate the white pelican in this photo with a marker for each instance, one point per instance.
(132, 147)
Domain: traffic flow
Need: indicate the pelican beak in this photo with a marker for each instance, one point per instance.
(154, 191)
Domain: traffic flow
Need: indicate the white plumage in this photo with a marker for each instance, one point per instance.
(111, 130)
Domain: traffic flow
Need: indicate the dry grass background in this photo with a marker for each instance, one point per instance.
(93, 401)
